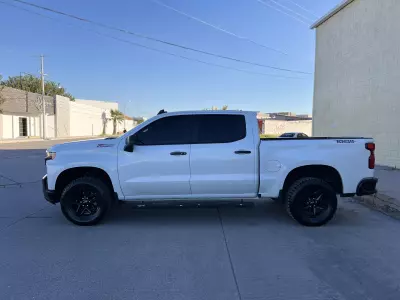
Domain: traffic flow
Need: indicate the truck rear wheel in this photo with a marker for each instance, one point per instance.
(85, 201)
(311, 201)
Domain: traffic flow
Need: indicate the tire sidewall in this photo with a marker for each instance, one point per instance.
(103, 199)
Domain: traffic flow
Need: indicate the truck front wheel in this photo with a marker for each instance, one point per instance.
(311, 201)
(85, 201)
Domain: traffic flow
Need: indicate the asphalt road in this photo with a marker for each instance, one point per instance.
(251, 253)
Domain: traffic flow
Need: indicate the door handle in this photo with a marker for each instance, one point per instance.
(178, 153)
(242, 152)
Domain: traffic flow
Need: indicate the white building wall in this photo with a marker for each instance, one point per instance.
(73, 118)
(357, 76)
(7, 127)
(63, 111)
(106, 105)
(94, 110)
(109, 126)
(35, 128)
(15, 126)
(128, 125)
(10, 125)
(277, 127)
(32, 127)
(50, 128)
(85, 120)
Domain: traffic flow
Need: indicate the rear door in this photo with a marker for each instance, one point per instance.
(158, 167)
(223, 158)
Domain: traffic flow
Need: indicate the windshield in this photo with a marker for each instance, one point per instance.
(288, 135)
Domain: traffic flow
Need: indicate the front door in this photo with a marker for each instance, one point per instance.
(158, 167)
(223, 157)
(23, 127)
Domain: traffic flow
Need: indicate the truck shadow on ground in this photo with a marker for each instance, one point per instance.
(190, 214)
(258, 214)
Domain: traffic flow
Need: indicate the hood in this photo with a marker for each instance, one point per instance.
(85, 145)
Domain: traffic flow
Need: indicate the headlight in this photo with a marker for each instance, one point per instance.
(50, 155)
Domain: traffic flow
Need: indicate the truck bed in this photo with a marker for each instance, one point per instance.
(346, 155)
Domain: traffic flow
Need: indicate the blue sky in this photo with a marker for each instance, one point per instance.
(96, 67)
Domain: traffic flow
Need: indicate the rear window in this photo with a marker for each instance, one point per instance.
(288, 135)
(213, 129)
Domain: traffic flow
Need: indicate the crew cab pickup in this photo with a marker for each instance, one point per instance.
(207, 155)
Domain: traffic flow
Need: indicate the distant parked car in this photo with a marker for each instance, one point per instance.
(294, 135)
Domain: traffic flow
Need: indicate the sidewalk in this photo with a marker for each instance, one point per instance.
(27, 140)
(39, 143)
(387, 199)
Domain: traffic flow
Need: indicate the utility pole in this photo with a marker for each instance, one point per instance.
(43, 101)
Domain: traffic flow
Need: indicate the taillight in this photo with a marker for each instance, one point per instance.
(371, 158)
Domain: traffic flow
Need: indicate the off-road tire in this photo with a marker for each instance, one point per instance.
(295, 199)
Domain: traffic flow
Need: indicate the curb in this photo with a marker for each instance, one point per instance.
(380, 202)
(10, 141)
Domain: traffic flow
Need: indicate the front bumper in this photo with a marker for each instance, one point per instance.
(50, 196)
(367, 186)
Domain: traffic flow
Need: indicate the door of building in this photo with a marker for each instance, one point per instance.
(23, 127)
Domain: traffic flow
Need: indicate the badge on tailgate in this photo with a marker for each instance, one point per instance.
(345, 141)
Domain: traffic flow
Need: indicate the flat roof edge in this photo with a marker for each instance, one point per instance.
(331, 13)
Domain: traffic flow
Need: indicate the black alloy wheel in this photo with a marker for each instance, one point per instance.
(85, 201)
(311, 201)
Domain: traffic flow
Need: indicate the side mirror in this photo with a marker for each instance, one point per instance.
(129, 143)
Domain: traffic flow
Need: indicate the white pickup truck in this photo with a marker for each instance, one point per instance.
(207, 155)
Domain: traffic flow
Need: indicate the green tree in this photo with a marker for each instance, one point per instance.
(30, 83)
(116, 117)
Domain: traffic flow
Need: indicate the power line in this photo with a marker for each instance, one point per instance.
(281, 11)
(291, 10)
(155, 49)
(200, 61)
(303, 8)
(215, 26)
(158, 40)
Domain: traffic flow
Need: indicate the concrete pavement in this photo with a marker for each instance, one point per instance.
(219, 253)
(387, 199)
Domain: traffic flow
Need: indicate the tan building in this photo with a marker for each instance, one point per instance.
(357, 74)
(284, 116)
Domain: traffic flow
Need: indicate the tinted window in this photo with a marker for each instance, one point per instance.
(166, 131)
(287, 135)
(219, 128)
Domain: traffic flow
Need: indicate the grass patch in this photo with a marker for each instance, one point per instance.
(268, 136)
(110, 135)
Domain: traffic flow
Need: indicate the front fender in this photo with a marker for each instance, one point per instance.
(105, 162)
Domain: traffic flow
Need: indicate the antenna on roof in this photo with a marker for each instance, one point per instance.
(162, 112)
